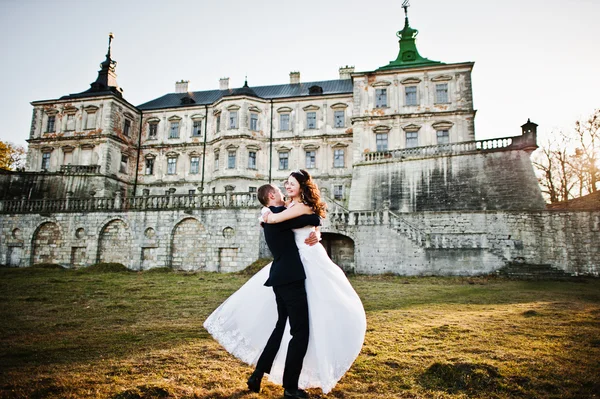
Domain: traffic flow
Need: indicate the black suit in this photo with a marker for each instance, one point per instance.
(287, 279)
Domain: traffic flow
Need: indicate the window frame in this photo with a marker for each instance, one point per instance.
(411, 93)
(446, 136)
(127, 127)
(197, 128)
(381, 100)
(343, 118)
(174, 127)
(171, 161)
(411, 138)
(231, 155)
(446, 92)
(288, 115)
(53, 119)
(308, 125)
(196, 170)
(286, 158)
(313, 159)
(336, 159)
(250, 157)
(253, 121)
(233, 119)
(379, 139)
(339, 197)
(46, 160)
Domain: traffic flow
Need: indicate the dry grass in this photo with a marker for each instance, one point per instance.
(75, 334)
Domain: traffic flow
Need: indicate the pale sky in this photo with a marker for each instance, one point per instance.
(535, 59)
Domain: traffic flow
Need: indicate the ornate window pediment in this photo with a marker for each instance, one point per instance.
(233, 107)
(339, 106)
(216, 112)
(153, 120)
(441, 78)
(150, 156)
(309, 147)
(382, 129)
(311, 108)
(67, 148)
(87, 146)
(339, 145)
(232, 147)
(172, 154)
(197, 117)
(47, 149)
(382, 83)
(411, 128)
(283, 149)
(254, 109)
(90, 109)
(217, 150)
(51, 111)
(128, 115)
(253, 147)
(284, 109)
(194, 153)
(442, 125)
(411, 81)
(70, 110)
(174, 118)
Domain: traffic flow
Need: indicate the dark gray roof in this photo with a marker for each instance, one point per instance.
(172, 100)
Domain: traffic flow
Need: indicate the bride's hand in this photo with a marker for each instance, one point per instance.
(265, 216)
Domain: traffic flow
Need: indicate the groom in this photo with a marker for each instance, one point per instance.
(287, 279)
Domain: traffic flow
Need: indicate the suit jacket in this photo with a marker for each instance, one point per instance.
(287, 266)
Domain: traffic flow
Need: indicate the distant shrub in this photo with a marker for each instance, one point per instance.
(107, 268)
(254, 267)
(53, 266)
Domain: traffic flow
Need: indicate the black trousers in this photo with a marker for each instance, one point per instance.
(292, 304)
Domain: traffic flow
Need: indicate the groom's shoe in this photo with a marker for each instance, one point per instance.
(295, 393)
(254, 381)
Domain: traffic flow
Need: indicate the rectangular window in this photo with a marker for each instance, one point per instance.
(382, 141)
(90, 123)
(174, 131)
(252, 160)
(197, 128)
(51, 123)
(380, 98)
(338, 192)
(441, 93)
(283, 160)
(443, 136)
(412, 139)
(152, 130)
(171, 166)
(149, 166)
(218, 123)
(311, 158)
(195, 165)
(216, 161)
(338, 118)
(231, 160)
(338, 158)
(45, 161)
(311, 120)
(70, 123)
(126, 127)
(252, 190)
(284, 121)
(123, 168)
(410, 95)
(233, 119)
(68, 158)
(253, 121)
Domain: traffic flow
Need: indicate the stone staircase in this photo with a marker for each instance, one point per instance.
(527, 271)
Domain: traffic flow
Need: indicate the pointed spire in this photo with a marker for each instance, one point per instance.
(408, 56)
(107, 76)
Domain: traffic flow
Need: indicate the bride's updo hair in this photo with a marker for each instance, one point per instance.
(309, 192)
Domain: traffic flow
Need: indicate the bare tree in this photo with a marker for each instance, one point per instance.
(587, 136)
(12, 156)
(555, 173)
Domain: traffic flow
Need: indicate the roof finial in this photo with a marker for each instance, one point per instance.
(110, 37)
(405, 5)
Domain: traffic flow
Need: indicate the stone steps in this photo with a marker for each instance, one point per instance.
(532, 272)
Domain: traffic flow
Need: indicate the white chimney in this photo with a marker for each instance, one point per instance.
(294, 78)
(181, 87)
(224, 84)
(346, 71)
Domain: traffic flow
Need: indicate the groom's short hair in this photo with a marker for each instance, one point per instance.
(263, 193)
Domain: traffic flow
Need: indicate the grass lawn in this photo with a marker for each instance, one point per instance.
(129, 335)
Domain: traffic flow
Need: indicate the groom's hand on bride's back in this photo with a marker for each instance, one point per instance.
(313, 238)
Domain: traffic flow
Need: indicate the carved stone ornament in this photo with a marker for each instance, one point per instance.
(311, 108)
(232, 147)
(253, 147)
(174, 118)
(197, 117)
(284, 110)
(172, 154)
(70, 110)
(254, 109)
(233, 107)
(382, 83)
(442, 125)
(339, 145)
(441, 78)
(339, 106)
(150, 156)
(411, 128)
(382, 129)
(411, 81)
(311, 147)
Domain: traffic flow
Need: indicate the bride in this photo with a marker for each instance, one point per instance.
(337, 322)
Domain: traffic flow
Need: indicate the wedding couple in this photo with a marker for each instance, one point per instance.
(308, 334)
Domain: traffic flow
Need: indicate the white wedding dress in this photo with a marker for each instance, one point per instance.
(244, 322)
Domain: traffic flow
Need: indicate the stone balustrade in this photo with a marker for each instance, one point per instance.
(138, 203)
(505, 143)
(80, 169)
